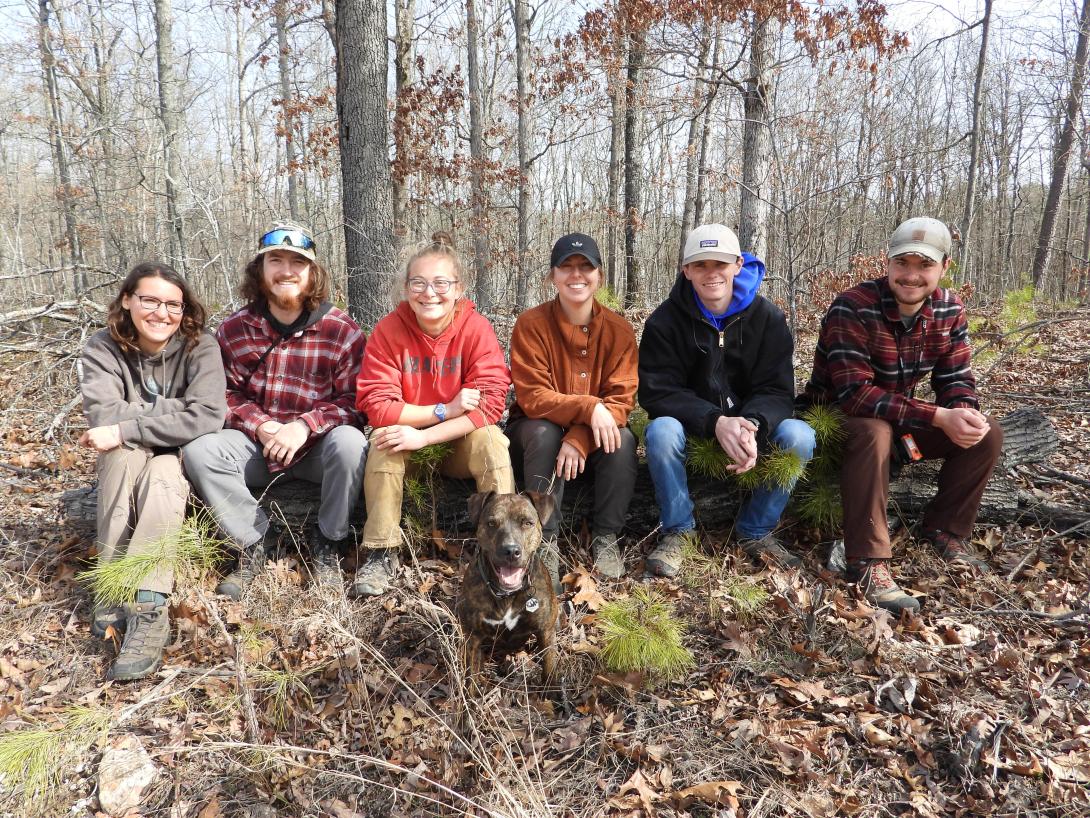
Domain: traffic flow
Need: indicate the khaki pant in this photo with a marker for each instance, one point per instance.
(482, 455)
(141, 502)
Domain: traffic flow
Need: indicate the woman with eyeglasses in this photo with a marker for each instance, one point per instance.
(433, 373)
(152, 381)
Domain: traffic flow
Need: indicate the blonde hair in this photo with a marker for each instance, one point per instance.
(441, 245)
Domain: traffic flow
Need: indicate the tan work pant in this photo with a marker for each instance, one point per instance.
(482, 455)
(141, 502)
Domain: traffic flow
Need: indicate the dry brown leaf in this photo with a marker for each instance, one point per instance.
(723, 793)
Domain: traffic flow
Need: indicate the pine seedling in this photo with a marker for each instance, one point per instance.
(642, 633)
(827, 422)
(706, 458)
(278, 689)
(637, 423)
(744, 595)
(779, 467)
(819, 505)
(33, 761)
(416, 490)
(191, 553)
(428, 459)
(607, 297)
(699, 565)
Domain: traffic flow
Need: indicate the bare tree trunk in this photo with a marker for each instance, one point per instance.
(60, 157)
(757, 141)
(616, 154)
(478, 197)
(405, 11)
(702, 166)
(1084, 268)
(280, 16)
(636, 54)
(522, 81)
(692, 148)
(1063, 151)
(365, 170)
(170, 115)
(974, 144)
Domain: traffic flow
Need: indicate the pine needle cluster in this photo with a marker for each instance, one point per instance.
(34, 760)
(192, 553)
(643, 633)
(422, 489)
(777, 467)
(817, 502)
(744, 595)
(280, 689)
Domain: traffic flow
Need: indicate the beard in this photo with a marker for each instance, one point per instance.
(282, 302)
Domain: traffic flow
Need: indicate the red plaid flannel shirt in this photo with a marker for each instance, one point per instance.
(868, 363)
(308, 376)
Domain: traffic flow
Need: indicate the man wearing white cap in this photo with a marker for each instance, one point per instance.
(715, 362)
(878, 341)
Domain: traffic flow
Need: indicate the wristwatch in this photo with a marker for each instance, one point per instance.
(756, 421)
(441, 411)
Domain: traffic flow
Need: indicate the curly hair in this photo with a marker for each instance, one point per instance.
(120, 324)
(317, 288)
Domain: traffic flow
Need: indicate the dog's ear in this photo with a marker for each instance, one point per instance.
(477, 502)
(544, 503)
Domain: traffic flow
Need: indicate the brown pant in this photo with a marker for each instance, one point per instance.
(482, 455)
(141, 503)
(864, 482)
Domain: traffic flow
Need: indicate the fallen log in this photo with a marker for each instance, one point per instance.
(1028, 438)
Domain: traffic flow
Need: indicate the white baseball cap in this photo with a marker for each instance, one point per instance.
(711, 241)
(921, 236)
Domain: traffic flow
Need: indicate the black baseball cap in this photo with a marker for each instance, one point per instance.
(575, 244)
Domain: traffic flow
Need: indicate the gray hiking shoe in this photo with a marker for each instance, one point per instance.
(550, 557)
(325, 554)
(147, 632)
(769, 547)
(666, 559)
(376, 572)
(607, 556)
(103, 618)
(878, 587)
(954, 549)
(251, 562)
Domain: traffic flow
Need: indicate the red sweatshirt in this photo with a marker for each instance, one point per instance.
(402, 364)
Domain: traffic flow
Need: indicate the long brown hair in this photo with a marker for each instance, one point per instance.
(317, 287)
(120, 322)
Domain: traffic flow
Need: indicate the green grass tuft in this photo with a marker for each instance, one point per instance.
(192, 552)
(642, 633)
(34, 761)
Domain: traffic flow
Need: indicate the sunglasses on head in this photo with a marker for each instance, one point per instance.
(285, 237)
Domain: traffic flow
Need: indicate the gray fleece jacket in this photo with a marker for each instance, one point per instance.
(159, 401)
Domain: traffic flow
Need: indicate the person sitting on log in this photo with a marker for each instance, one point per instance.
(291, 359)
(715, 362)
(434, 373)
(574, 367)
(152, 382)
(878, 340)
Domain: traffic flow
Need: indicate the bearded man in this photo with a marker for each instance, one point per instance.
(291, 360)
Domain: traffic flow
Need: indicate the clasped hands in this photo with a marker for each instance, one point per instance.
(738, 438)
(280, 441)
(963, 425)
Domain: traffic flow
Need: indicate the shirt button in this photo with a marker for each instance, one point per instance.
(582, 374)
(583, 352)
(585, 329)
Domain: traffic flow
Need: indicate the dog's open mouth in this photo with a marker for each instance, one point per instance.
(510, 576)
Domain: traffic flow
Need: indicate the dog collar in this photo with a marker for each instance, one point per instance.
(502, 593)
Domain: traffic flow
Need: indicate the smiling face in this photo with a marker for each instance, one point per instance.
(912, 278)
(576, 280)
(154, 326)
(285, 279)
(713, 281)
(433, 310)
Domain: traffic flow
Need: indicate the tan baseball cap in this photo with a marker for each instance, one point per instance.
(288, 236)
(921, 236)
(711, 241)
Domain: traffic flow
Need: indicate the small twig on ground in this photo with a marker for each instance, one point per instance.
(249, 711)
(1062, 475)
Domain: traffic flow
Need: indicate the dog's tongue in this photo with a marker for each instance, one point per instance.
(510, 578)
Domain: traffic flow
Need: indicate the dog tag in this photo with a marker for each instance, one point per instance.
(532, 604)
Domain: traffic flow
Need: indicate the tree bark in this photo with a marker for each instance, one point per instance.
(170, 114)
(1043, 254)
(974, 144)
(692, 149)
(636, 54)
(477, 160)
(405, 11)
(757, 141)
(365, 169)
(616, 155)
(522, 70)
(280, 19)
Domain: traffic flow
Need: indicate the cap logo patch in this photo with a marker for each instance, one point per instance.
(919, 235)
(577, 244)
(709, 242)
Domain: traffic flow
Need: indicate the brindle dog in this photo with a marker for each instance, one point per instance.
(507, 595)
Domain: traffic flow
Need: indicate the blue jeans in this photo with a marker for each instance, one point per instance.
(665, 443)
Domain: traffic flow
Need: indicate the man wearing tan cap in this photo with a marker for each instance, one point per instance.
(878, 341)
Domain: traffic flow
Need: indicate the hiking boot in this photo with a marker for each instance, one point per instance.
(954, 550)
(376, 572)
(878, 588)
(666, 559)
(771, 548)
(147, 632)
(550, 558)
(325, 554)
(103, 618)
(607, 556)
(251, 562)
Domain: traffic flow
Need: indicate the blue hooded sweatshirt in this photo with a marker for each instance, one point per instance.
(746, 284)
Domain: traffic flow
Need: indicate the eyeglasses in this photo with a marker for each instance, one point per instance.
(285, 237)
(441, 286)
(152, 304)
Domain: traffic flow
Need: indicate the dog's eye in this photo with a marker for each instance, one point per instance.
(493, 524)
(527, 522)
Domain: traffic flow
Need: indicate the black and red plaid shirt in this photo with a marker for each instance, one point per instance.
(308, 376)
(869, 363)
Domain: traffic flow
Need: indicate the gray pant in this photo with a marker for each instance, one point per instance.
(222, 465)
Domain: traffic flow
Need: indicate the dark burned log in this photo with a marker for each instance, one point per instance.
(1029, 438)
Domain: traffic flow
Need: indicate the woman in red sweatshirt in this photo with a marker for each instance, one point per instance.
(433, 372)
